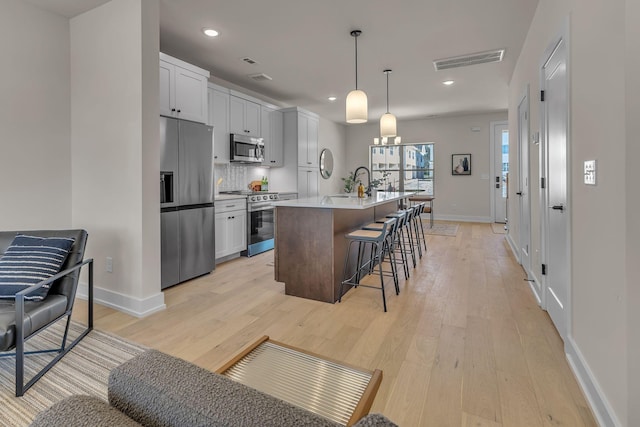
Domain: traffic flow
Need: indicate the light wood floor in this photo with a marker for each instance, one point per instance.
(464, 344)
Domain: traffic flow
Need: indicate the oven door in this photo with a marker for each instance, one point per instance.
(260, 230)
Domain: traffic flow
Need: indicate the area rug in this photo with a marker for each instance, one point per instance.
(442, 229)
(84, 370)
(498, 228)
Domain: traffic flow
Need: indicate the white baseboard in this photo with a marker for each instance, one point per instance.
(463, 218)
(126, 303)
(512, 245)
(605, 416)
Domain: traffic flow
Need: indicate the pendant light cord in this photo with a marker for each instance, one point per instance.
(387, 73)
(356, 37)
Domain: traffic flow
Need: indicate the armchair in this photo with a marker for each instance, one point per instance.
(21, 319)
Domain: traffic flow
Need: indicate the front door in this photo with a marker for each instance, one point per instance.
(557, 226)
(501, 169)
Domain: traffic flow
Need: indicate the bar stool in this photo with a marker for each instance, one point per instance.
(399, 238)
(421, 209)
(388, 249)
(406, 233)
(374, 241)
(426, 209)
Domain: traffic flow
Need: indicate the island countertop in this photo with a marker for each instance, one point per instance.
(345, 201)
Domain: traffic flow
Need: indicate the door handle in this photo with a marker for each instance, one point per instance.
(519, 193)
(557, 207)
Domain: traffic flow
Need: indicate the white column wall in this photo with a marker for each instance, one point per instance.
(35, 159)
(115, 149)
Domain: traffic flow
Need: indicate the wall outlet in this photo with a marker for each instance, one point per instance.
(109, 265)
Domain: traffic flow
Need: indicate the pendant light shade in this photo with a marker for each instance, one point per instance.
(388, 121)
(388, 125)
(356, 105)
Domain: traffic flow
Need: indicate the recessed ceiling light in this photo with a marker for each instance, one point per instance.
(332, 98)
(209, 32)
(448, 82)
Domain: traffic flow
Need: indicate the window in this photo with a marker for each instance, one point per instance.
(408, 167)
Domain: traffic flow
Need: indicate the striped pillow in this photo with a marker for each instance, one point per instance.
(30, 260)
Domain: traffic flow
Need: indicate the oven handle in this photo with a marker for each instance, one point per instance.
(261, 208)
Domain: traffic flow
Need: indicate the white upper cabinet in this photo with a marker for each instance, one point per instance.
(307, 141)
(272, 132)
(219, 119)
(244, 116)
(183, 90)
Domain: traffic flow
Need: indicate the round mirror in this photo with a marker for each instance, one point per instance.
(326, 163)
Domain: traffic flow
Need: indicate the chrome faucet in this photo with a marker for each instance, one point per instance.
(355, 174)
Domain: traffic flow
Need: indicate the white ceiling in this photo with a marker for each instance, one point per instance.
(306, 48)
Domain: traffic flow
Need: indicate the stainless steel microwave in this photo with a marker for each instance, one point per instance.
(246, 149)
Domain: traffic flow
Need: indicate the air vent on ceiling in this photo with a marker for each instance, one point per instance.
(470, 59)
(249, 61)
(260, 77)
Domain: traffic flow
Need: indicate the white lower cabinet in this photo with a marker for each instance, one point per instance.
(231, 227)
(307, 182)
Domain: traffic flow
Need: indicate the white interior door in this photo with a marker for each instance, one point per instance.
(524, 195)
(557, 226)
(501, 169)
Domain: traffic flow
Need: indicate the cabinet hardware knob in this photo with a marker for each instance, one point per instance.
(178, 111)
(173, 109)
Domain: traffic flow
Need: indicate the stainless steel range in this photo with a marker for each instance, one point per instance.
(260, 221)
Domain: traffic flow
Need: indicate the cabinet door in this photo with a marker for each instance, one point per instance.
(222, 242)
(312, 183)
(303, 128)
(312, 143)
(252, 118)
(266, 134)
(277, 139)
(219, 117)
(236, 115)
(167, 89)
(237, 228)
(191, 95)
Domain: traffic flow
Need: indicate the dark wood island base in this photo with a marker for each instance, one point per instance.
(310, 247)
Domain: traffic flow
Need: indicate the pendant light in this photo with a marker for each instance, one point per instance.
(388, 120)
(357, 99)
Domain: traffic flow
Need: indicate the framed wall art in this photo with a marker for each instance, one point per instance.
(461, 164)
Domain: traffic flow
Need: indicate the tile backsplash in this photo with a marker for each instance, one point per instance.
(237, 177)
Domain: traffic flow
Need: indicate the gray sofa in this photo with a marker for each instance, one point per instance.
(155, 389)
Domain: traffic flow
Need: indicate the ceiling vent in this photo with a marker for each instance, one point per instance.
(249, 61)
(470, 59)
(260, 77)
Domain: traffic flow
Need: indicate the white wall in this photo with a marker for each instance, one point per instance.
(462, 198)
(632, 55)
(35, 159)
(115, 146)
(598, 338)
(333, 136)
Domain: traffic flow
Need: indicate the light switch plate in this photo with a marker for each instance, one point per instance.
(590, 172)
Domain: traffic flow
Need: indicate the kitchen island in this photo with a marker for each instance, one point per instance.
(310, 246)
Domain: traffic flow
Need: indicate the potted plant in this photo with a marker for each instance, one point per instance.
(349, 182)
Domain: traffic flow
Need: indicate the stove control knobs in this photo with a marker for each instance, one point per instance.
(265, 197)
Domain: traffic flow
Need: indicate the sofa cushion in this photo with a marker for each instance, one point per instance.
(82, 411)
(154, 388)
(30, 260)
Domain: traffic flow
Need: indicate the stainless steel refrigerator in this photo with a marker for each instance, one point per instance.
(187, 214)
